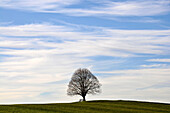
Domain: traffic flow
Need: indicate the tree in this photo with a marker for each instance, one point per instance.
(83, 82)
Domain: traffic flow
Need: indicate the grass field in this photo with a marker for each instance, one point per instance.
(89, 107)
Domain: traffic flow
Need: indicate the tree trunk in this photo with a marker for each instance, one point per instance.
(84, 99)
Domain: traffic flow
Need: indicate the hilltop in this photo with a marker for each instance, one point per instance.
(100, 106)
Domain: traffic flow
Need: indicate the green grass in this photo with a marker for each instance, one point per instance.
(89, 107)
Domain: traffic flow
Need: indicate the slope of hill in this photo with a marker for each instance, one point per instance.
(89, 107)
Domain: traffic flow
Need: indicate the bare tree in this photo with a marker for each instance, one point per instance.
(83, 82)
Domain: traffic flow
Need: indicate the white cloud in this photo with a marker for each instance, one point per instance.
(135, 72)
(109, 8)
(158, 60)
(134, 19)
(137, 84)
(38, 5)
(44, 60)
(5, 23)
(98, 41)
(154, 65)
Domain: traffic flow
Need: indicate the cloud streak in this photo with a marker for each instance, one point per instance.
(159, 60)
(107, 8)
(62, 39)
(39, 58)
(131, 84)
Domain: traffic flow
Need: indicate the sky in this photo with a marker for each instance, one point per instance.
(124, 43)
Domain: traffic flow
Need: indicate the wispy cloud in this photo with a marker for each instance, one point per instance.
(134, 19)
(154, 65)
(38, 59)
(110, 41)
(39, 5)
(109, 8)
(131, 84)
(159, 60)
(5, 23)
(34, 55)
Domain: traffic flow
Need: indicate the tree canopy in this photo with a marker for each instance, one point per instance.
(83, 82)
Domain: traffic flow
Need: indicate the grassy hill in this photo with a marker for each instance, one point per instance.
(89, 107)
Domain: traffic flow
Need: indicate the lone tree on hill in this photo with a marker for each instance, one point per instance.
(83, 82)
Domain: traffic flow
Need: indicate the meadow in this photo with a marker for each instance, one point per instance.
(101, 106)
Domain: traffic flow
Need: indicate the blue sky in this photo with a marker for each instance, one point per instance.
(125, 43)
